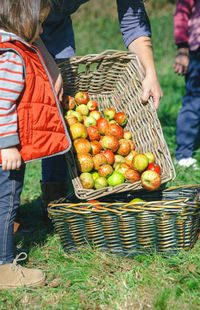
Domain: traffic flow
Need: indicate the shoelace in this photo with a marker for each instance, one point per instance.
(20, 257)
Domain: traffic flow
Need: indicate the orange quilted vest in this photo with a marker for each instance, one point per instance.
(41, 126)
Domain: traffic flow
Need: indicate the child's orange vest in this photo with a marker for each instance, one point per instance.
(41, 126)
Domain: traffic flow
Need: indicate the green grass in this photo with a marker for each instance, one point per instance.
(92, 279)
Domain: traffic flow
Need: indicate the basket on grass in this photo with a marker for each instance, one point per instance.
(167, 223)
(114, 79)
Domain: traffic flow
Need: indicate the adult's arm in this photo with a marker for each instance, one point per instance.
(136, 32)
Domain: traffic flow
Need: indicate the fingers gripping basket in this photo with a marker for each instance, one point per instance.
(166, 224)
(114, 79)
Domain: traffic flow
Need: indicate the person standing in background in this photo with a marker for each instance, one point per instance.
(187, 62)
(58, 37)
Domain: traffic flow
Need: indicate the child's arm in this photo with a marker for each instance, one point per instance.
(11, 158)
(11, 86)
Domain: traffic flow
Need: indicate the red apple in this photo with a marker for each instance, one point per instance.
(121, 118)
(127, 134)
(114, 130)
(83, 109)
(82, 145)
(109, 113)
(92, 105)
(109, 156)
(132, 175)
(81, 97)
(150, 157)
(110, 143)
(93, 133)
(99, 160)
(130, 156)
(150, 180)
(78, 130)
(94, 204)
(87, 180)
(85, 162)
(71, 119)
(139, 162)
(96, 147)
(124, 147)
(155, 167)
(90, 121)
(102, 125)
(95, 114)
(68, 103)
(105, 170)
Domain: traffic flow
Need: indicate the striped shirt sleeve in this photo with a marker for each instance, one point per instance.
(11, 86)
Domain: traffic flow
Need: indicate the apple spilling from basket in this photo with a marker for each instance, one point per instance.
(104, 151)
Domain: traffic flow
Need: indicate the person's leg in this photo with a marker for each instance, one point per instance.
(187, 126)
(11, 187)
(11, 274)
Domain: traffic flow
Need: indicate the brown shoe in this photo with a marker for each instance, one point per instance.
(14, 276)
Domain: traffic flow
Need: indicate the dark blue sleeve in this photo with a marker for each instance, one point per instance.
(133, 19)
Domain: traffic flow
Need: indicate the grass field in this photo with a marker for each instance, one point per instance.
(92, 279)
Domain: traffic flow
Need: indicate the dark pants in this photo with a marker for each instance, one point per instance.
(187, 125)
(11, 184)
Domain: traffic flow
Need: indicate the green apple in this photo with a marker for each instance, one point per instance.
(115, 179)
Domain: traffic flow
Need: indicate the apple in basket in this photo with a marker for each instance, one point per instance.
(99, 160)
(124, 147)
(87, 180)
(121, 118)
(93, 133)
(110, 143)
(150, 157)
(139, 162)
(130, 156)
(115, 179)
(135, 200)
(81, 97)
(105, 170)
(68, 103)
(114, 130)
(83, 109)
(85, 162)
(109, 113)
(95, 114)
(92, 105)
(109, 156)
(71, 119)
(77, 114)
(90, 121)
(100, 182)
(150, 180)
(155, 167)
(82, 145)
(131, 175)
(122, 167)
(78, 130)
(96, 147)
(94, 204)
(132, 144)
(102, 125)
(127, 135)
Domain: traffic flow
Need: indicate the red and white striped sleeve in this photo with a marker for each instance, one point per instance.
(11, 86)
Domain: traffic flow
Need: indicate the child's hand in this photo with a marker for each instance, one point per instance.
(11, 158)
(181, 61)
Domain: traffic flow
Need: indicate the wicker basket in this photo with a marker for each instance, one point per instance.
(164, 226)
(113, 79)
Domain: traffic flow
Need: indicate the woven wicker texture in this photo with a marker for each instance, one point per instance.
(113, 79)
(165, 226)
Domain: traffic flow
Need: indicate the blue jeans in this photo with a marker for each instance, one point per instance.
(54, 169)
(187, 125)
(11, 183)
